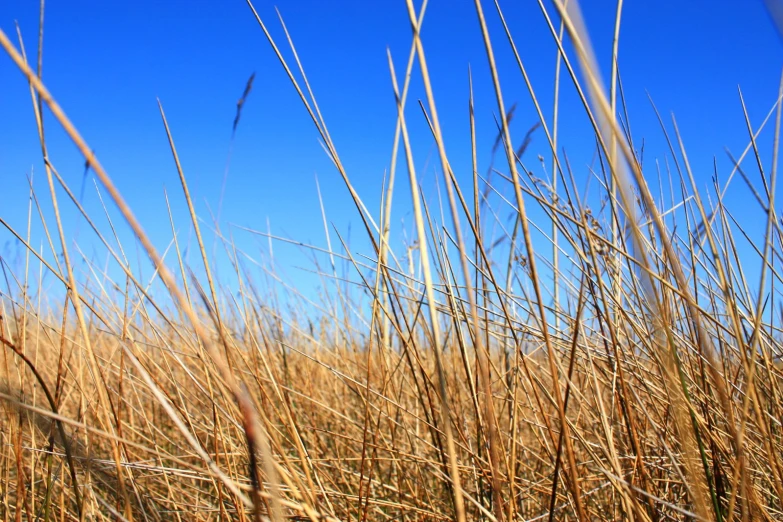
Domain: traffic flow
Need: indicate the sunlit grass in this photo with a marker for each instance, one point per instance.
(630, 370)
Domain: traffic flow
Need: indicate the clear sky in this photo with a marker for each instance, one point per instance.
(107, 62)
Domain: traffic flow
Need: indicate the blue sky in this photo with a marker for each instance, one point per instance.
(107, 62)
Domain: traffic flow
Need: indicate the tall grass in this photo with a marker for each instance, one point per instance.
(643, 384)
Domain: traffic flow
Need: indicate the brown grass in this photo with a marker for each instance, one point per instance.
(645, 384)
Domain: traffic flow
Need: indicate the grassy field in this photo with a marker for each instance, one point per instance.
(644, 384)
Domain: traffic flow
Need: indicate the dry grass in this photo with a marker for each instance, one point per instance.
(645, 384)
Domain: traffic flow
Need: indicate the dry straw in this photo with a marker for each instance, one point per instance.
(631, 371)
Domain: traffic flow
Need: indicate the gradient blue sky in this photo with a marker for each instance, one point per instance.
(107, 62)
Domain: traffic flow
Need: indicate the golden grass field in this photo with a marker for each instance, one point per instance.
(646, 388)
